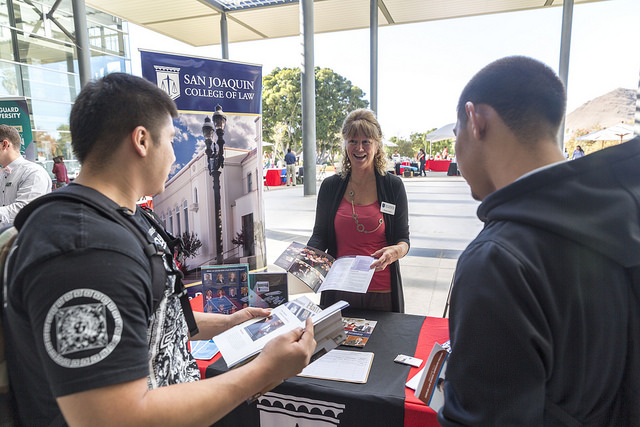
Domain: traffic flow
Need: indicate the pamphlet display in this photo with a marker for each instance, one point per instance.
(225, 288)
(320, 271)
(245, 341)
(267, 290)
(358, 331)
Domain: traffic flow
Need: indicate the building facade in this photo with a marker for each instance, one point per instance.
(187, 205)
(39, 61)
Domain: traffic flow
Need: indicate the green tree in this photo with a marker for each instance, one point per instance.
(336, 96)
(409, 147)
(281, 109)
(403, 146)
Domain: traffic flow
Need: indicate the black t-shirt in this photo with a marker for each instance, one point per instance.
(79, 313)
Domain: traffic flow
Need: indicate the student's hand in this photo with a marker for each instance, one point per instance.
(288, 354)
(246, 314)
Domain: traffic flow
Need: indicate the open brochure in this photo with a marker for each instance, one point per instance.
(243, 342)
(321, 272)
(429, 386)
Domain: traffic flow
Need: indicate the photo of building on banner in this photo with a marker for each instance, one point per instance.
(214, 188)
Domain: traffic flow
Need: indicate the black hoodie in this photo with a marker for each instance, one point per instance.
(544, 310)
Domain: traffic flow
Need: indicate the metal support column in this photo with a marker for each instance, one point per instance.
(82, 41)
(224, 36)
(373, 66)
(308, 98)
(565, 47)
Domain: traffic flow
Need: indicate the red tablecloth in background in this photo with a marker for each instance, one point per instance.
(273, 177)
(438, 165)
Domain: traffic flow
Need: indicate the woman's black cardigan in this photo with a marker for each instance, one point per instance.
(391, 190)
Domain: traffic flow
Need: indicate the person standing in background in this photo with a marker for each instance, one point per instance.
(290, 160)
(60, 172)
(577, 153)
(21, 180)
(422, 159)
(395, 158)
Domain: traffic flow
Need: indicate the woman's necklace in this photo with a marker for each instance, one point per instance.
(354, 215)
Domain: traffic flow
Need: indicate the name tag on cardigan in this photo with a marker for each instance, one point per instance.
(388, 208)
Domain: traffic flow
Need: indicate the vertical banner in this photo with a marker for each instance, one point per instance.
(197, 86)
(15, 112)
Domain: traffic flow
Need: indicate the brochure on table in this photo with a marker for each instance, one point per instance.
(321, 272)
(341, 365)
(243, 342)
(203, 350)
(358, 331)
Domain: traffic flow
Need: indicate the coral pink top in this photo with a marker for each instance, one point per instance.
(352, 242)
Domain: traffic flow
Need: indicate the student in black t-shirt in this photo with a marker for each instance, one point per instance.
(84, 341)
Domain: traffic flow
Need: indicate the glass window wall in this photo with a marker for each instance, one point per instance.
(38, 60)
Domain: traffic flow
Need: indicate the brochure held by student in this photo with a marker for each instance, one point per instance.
(321, 272)
(243, 342)
(429, 387)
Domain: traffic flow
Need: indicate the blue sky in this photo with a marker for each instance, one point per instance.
(423, 67)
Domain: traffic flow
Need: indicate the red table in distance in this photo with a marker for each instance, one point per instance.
(438, 165)
(273, 177)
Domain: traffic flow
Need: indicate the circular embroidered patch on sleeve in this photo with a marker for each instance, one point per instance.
(82, 327)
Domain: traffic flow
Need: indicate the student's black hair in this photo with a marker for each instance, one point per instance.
(108, 109)
(527, 94)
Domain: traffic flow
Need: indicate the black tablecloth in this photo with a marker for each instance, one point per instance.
(379, 402)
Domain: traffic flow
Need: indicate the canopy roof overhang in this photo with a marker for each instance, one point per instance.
(196, 22)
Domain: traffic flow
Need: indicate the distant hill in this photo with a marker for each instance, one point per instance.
(609, 109)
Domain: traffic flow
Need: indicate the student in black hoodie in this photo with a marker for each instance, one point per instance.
(544, 308)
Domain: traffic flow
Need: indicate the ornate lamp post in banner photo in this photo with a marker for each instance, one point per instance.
(215, 156)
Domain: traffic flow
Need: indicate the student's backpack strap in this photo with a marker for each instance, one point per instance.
(179, 287)
(95, 200)
(8, 416)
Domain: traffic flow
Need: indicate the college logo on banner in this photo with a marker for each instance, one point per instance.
(168, 79)
(199, 84)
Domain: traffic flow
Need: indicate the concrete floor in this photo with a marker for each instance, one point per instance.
(442, 221)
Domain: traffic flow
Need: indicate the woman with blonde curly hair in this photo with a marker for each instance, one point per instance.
(363, 211)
